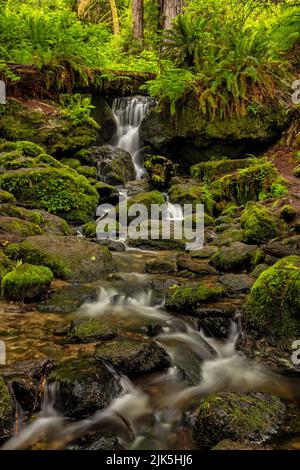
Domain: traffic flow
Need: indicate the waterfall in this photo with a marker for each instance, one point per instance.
(129, 113)
(173, 211)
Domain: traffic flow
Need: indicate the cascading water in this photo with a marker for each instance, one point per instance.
(129, 113)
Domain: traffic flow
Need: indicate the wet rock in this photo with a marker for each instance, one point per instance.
(26, 380)
(287, 247)
(230, 235)
(97, 442)
(160, 265)
(236, 257)
(259, 269)
(132, 356)
(188, 299)
(209, 170)
(53, 225)
(227, 444)
(84, 387)
(89, 331)
(159, 169)
(26, 283)
(68, 257)
(6, 409)
(236, 284)
(195, 266)
(274, 302)
(192, 192)
(252, 417)
(205, 252)
(68, 299)
(114, 165)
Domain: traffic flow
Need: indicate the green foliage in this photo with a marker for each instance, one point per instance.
(78, 110)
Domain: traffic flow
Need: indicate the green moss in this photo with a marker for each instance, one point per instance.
(88, 171)
(89, 229)
(231, 210)
(241, 417)
(28, 253)
(237, 257)
(6, 265)
(249, 184)
(6, 197)
(260, 224)
(89, 331)
(28, 149)
(273, 307)
(6, 408)
(192, 193)
(59, 191)
(160, 170)
(71, 162)
(18, 227)
(207, 171)
(296, 171)
(26, 283)
(10, 210)
(189, 298)
(288, 212)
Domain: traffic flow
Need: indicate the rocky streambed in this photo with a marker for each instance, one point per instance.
(141, 344)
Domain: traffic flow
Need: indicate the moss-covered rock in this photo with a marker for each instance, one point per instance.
(186, 262)
(45, 125)
(27, 283)
(255, 182)
(6, 197)
(133, 356)
(6, 409)
(207, 171)
(68, 257)
(25, 147)
(194, 193)
(85, 386)
(288, 212)
(187, 299)
(273, 306)
(160, 265)
(6, 265)
(20, 228)
(87, 171)
(296, 171)
(107, 193)
(159, 169)
(89, 331)
(252, 417)
(236, 284)
(259, 224)
(197, 137)
(237, 257)
(89, 230)
(58, 190)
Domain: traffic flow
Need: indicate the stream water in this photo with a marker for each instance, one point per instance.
(148, 412)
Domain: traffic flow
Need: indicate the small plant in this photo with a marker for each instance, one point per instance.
(78, 110)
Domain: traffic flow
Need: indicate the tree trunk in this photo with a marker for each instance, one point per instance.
(170, 9)
(115, 17)
(138, 18)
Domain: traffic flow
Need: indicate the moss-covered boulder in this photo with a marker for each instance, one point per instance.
(68, 257)
(197, 137)
(159, 265)
(273, 306)
(6, 265)
(6, 197)
(27, 283)
(252, 417)
(236, 284)
(255, 182)
(114, 165)
(288, 212)
(18, 227)
(132, 356)
(60, 191)
(237, 257)
(186, 262)
(89, 230)
(188, 299)
(194, 193)
(208, 171)
(89, 331)
(107, 193)
(6, 410)
(85, 386)
(46, 125)
(159, 169)
(259, 224)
